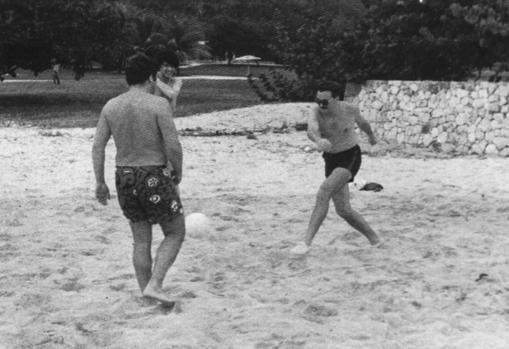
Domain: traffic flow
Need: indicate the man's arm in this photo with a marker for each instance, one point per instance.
(314, 133)
(102, 135)
(363, 124)
(172, 146)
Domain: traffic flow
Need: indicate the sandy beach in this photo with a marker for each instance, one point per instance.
(441, 281)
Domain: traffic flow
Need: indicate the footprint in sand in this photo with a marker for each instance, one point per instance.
(8, 251)
(121, 277)
(187, 294)
(103, 239)
(108, 231)
(71, 285)
(282, 344)
(320, 310)
(216, 282)
(298, 264)
(13, 223)
(503, 209)
(118, 286)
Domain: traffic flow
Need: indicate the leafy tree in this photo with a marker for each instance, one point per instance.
(183, 35)
(188, 38)
(231, 37)
(142, 24)
(436, 40)
(395, 39)
(72, 32)
(309, 43)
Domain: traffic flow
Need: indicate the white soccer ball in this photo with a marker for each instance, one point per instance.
(197, 223)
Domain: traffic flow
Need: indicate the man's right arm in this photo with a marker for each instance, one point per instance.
(172, 146)
(101, 137)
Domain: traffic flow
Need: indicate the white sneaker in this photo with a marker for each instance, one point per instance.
(301, 248)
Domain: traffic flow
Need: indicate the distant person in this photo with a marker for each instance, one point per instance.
(147, 145)
(331, 126)
(78, 66)
(55, 68)
(167, 84)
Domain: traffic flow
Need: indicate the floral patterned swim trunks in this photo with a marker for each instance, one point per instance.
(147, 193)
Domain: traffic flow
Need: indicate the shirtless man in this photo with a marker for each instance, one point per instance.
(147, 146)
(331, 127)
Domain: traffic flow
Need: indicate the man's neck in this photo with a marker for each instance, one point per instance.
(331, 110)
(144, 87)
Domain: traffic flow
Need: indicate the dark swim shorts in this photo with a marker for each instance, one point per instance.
(349, 159)
(147, 193)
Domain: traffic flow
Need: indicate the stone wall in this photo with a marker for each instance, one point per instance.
(460, 117)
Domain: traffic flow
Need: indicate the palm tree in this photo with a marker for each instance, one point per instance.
(143, 24)
(187, 38)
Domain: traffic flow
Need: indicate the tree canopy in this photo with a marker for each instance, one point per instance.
(344, 40)
(37, 31)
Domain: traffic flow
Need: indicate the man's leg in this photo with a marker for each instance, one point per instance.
(142, 258)
(167, 252)
(341, 199)
(337, 179)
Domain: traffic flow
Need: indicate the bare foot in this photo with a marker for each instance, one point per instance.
(300, 249)
(159, 295)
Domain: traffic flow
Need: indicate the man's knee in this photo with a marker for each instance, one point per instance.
(341, 175)
(324, 192)
(344, 211)
(175, 227)
(332, 184)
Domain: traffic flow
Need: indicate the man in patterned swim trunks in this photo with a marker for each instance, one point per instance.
(331, 126)
(147, 146)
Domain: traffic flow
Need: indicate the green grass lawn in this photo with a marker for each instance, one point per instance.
(78, 103)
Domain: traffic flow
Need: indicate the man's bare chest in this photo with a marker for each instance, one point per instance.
(335, 124)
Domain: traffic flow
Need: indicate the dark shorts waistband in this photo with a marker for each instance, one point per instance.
(148, 168)
(349, 159)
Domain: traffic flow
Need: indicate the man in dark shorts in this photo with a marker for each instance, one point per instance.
(331, 126)
(147, 146)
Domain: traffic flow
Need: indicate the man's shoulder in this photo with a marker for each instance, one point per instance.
(349, 108)
(348, 105)
(147, 99)
(159, 103)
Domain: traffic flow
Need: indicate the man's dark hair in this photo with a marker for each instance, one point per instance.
(138, 69)
(335, 88)
(161, 54)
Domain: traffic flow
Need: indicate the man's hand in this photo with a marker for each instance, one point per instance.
(372, 139)
(324, 144)
(102, 193)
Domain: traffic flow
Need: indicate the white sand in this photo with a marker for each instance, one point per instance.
(66, 279)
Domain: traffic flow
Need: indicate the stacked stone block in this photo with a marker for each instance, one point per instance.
(460, 117)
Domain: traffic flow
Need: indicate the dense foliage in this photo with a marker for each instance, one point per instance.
(341, 40)
(405, 39)
(36, 31)
(434, 40)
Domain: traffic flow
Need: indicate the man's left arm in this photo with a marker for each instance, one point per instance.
(102, 135)
(363, 125)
